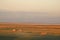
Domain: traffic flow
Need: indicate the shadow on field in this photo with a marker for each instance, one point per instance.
(33, 37)
(7, 38)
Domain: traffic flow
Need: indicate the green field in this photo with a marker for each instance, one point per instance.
(28, 36)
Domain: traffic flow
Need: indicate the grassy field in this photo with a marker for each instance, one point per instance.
(12, 31)
(33, 37)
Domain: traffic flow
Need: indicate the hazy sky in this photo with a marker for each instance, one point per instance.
(39, 11)
(30, 5)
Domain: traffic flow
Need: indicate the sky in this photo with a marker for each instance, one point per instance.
(31, 11)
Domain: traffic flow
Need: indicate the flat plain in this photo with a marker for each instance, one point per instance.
(18, 31)
(32, 28)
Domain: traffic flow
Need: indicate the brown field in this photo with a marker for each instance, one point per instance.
(10, 28)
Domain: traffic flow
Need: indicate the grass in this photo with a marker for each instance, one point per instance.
(6, 32)
(33, 37)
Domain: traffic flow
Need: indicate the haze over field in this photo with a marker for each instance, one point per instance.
(30, 11)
